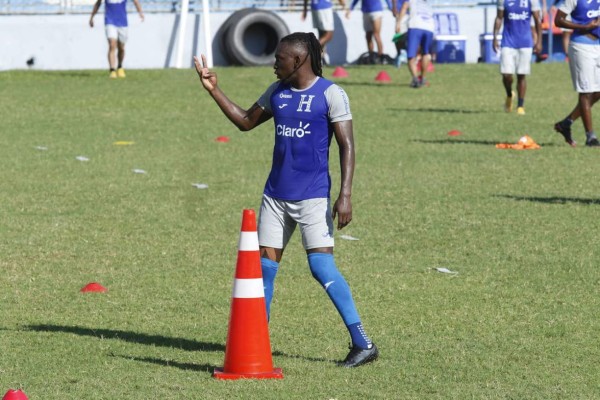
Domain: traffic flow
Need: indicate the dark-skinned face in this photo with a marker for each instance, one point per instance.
(287, 61)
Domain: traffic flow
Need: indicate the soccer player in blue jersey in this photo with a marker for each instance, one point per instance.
(420, 35)
(584, 61)
(308, 111)
(115, 23)
(372, 17)
(517, 45)
(322, 17)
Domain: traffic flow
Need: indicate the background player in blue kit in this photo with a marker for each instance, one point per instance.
(115, 23)
(517, 45)
(308, 111)
(584, 61)
(420, 36)
(322, 17)
(372, 18)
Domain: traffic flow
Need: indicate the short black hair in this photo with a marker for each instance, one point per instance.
(309, 41)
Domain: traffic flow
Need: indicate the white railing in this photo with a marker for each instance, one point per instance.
(173, 6)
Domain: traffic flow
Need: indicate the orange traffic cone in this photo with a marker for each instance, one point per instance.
(248, 349)
(340, 72)
(15, 395)
(383, 77)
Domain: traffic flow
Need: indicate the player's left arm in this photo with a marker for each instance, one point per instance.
(138, 7)
(341, 120)
(400, 16)
(342, 208)
(497, 25)
(537, 46)
(94, 11)
(348, 11)
(304, 10)
(544, 12)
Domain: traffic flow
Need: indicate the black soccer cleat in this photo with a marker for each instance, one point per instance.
(593, 142)
(565, 131)
(358, 356)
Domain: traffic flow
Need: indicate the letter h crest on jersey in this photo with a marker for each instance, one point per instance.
(305, 101)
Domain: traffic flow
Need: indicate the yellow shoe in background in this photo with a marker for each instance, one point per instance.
(508, 103)
(121, 73)
(521, 110)
(113, 74)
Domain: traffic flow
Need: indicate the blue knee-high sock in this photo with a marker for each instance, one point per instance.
(269, 271)
(324, 270)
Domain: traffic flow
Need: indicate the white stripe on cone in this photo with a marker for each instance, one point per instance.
(248, 241)
(248, 288)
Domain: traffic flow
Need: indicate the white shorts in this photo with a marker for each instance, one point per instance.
(368, 19)
(584, 61)
(515, 61)
(278, 219)
(116, 32)
(323, 19)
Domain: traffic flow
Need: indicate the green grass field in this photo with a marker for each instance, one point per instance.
(519, 320)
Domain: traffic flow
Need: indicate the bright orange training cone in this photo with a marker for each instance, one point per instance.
(15, 395)
(383, 77)
(248, 349)
(340, 72)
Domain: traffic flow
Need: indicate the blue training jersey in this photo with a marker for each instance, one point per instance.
(369, 6)
(320, 4)
(583, 13)
(115, 12)
(517, 23)
(303, 133)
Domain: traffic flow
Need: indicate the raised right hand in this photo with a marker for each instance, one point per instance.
(207, 77)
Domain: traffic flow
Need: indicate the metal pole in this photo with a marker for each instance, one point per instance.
(207, 34)
(185, 4)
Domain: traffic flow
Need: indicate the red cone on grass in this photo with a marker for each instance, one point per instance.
(340, 72)
(93, 287)
(13, 394)
(248, 349)
(222, 139)
(383, 77)
(454, 132)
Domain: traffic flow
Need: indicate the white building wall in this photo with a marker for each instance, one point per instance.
(62, 42)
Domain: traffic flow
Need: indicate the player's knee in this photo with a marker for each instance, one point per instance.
(322, 267)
